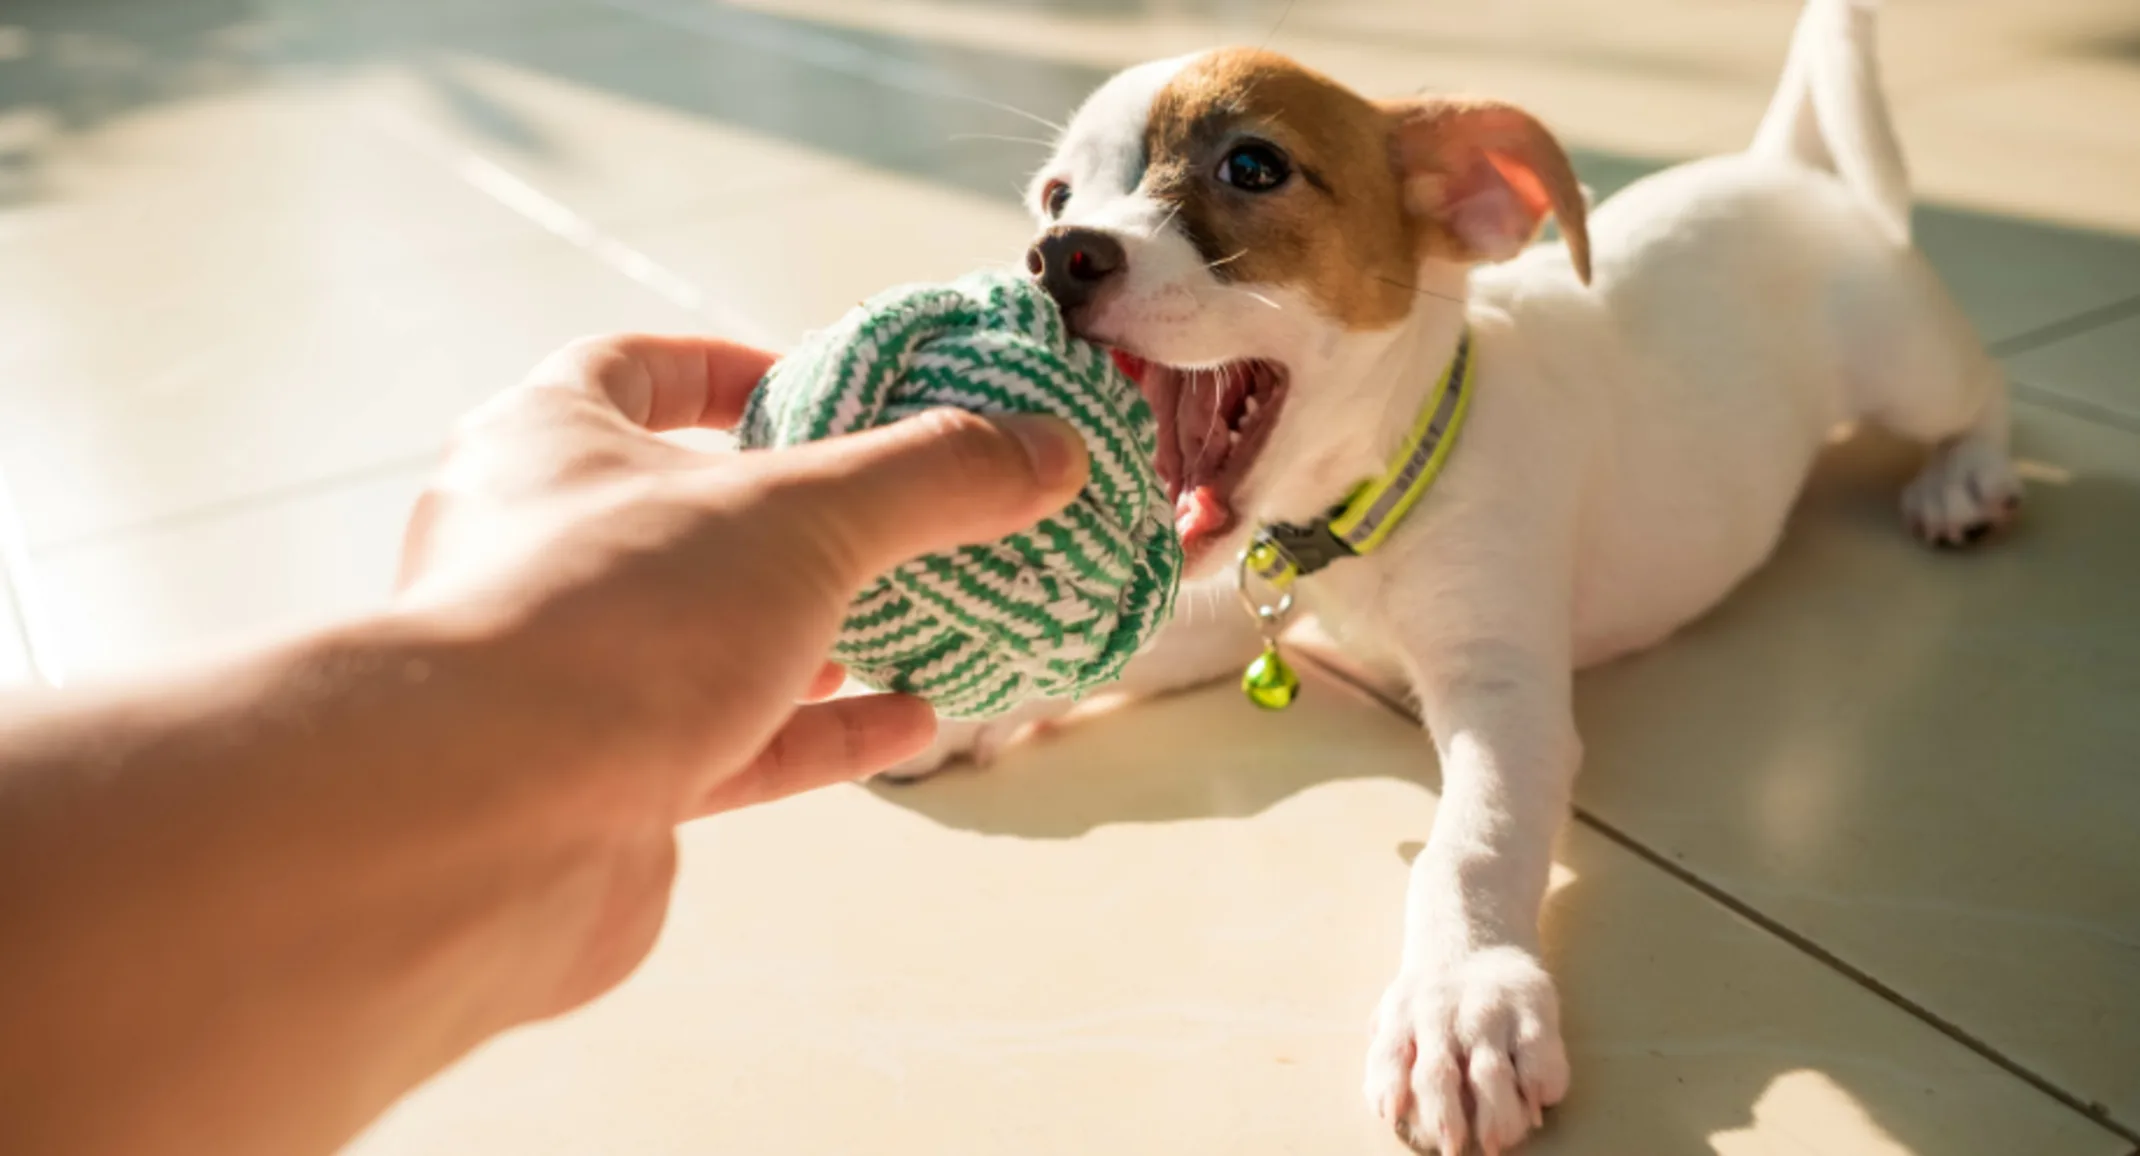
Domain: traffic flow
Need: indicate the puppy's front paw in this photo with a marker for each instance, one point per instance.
(1967, 491)
(957, 741)
(1468, 1051)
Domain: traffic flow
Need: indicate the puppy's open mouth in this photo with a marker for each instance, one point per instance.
(1212, 425)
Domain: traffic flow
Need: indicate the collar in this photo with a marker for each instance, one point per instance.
(1280, 553)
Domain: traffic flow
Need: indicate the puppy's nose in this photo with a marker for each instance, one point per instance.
(1073, 264)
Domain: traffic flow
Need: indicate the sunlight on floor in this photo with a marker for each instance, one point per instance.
(1800, 1114)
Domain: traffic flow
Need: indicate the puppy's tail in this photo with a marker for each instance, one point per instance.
(1828, 111)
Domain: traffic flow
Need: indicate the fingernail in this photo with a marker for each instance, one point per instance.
(1054, 448)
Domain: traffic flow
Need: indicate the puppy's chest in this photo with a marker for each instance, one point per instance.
(1342, 602)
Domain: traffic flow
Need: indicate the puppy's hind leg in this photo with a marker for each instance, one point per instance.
(1921, 372)
(1909, 354)
(1969, 488)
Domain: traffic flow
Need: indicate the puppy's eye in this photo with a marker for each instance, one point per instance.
(1054, 198)
(1255, 168)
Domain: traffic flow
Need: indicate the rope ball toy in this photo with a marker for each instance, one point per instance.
(1051, 612)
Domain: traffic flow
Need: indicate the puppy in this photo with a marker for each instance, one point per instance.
(1290, 267)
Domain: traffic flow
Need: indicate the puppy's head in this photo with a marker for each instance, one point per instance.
(1228, 220)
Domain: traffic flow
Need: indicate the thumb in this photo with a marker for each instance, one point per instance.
(933, 481)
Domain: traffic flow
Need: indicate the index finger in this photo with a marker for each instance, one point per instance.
(830, 742)
(660, 382)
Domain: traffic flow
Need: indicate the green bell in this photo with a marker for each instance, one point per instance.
(1269, 682)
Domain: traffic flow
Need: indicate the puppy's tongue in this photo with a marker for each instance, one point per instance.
(1201, 515)
(1193, 444)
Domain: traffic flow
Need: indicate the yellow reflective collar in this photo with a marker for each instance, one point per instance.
(1280, 553)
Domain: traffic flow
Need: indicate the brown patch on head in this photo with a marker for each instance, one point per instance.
(1337, 229)
(1374, 188)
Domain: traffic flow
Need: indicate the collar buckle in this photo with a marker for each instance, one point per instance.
(1279, 554)
(1302, 550)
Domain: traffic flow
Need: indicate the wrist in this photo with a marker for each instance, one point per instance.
(549, 737)
(255, 826)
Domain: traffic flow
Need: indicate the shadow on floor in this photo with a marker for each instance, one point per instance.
(72, 65)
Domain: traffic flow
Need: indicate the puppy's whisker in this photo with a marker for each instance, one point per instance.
(1421, 290)
(1273, 33)
(1014, 110)
(1241, 102)
(1031, 140)
(1225, 260)
(1254, 296)
(1172, 212)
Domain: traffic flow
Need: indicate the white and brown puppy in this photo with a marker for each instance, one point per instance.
(1290, 267)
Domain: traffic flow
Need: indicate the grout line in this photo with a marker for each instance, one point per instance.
(208, 511)
(2072, 326)
(2095, 1112)
(820, 50)
(2072, 406)
(18, 582)
(814, 48)
(555, 217)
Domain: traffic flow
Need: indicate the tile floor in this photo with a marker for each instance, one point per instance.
(1854, 871)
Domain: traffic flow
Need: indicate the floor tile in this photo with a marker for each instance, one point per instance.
(887, 101)
(20, 646)
(799, 264)
(2015, 277)
(1921, 761)
(2043, 140)
(15, 669)
(256, 289)
(1161, 932)
(2100, 367)
(208, 209)
(621, 160)
(309, 30)
(220, 579)
(371, 370)
(608, 156)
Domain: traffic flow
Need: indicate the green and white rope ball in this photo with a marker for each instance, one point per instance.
(1052, 612)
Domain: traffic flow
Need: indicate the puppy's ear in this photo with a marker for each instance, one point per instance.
(1480, 176)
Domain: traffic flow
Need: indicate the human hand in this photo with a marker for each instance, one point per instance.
(372, 847)
(720, 578)
(658, 618)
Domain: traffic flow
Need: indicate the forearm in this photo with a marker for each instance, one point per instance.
(1483, 874)
(1509, 753)
(238, 911)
